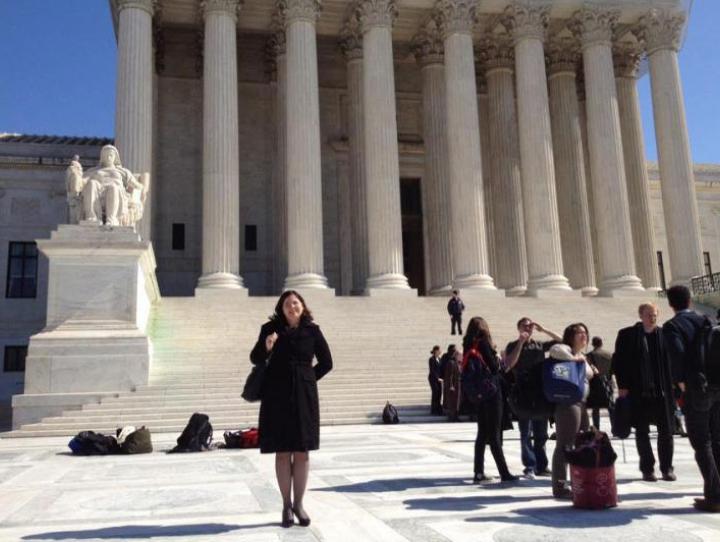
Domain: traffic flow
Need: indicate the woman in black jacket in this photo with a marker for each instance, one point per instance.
(490, 411)
(289, 423)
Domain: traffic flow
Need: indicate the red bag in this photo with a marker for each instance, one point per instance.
(245, 438)
(593, 488)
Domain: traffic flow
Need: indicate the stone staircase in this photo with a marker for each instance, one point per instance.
(380, 347)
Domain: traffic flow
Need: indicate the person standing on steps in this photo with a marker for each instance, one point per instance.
(289, 423)
(525, 359)
(435, 380)
(642, 370)
(455, 308)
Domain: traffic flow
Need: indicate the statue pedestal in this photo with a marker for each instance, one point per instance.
(101, 288)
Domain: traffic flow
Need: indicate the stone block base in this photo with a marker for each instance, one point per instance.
(640, 293)
(34, 407)
(391, 292)
(548, 293)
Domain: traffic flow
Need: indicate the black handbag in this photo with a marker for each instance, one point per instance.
(252, 391)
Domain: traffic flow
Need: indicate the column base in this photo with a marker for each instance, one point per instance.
(305, 280)
(548, 286)
(589, 291)
(474, 281)
(391, 292)
(221, 281)
(624, 286)
(441, 291)
(388, 281)
(515, 291)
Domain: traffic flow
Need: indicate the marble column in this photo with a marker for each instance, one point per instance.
(594, 27)
(221, 182)
(302, 163)
(627, 62)
(504, 167)
(276, 52)
(661, 31)
(542, 230)
(134, 94)
(351, 45)
(382, 168)
(483, 103)
(563, 56)
(429, 52)
(467, 213)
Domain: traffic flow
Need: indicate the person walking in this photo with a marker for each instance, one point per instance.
(478, 344)
(289, 424)
(435, 380)
(526, 356)
(455, 308)
(642, 370)
(601, 359)
(569, 418)
(701, 404)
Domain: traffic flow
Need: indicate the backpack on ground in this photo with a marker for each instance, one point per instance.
(197, 435)
(244, 438)
(137, 442)
(91, 443)
(563, 377)
(390, 414)
(477, 382)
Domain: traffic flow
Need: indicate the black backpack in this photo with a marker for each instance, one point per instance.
(477, 382)
(197, 435)
(137, 442)
(390, 414)
(526, 398)
(91, 443)
(704, 374)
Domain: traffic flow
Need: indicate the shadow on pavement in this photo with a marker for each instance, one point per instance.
(146, 531)
(397, 484)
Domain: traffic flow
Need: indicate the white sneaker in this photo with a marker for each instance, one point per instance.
(529, 475)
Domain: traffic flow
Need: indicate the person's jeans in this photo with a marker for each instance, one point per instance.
(569, 419)
(533, 436)
(703, 428)
(456, 319)
(489, 432)
(664, 438)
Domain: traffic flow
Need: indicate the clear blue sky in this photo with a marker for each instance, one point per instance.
(57, 60)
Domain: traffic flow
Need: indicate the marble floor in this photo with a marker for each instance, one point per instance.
(368, 483)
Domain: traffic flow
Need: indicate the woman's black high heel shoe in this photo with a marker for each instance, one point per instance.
(303, 518)
(287, 517)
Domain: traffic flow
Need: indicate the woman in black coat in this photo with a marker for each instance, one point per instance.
(289, 423)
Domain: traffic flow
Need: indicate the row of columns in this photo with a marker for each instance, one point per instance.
(535, 169)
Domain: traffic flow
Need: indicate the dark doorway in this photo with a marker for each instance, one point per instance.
(412, 233)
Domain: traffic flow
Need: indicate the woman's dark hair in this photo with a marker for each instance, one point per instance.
(477, 330)
(279, 315)
(571, 331)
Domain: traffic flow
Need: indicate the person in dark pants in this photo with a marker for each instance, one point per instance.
(601, 359)
(701, 407)
(435, 380)
(526, 355)
(642, 369)
(478, 340)
(289, 422)
(455, 309)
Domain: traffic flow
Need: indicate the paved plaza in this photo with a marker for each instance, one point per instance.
(368, 483)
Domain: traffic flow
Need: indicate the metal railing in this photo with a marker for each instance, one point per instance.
(705, 284)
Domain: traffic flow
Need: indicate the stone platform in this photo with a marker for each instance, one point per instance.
(368, 483)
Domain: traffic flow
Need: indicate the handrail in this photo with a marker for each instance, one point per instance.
(705, 284)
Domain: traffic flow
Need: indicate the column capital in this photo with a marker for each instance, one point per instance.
(497, 52)
(580, 83)
(455, 16)
(372, 13)
(563, 55)
(146, 5)
(274, 47)
(299, 10)
(227, 7)
(351, 40)
(526, 22)
(626, 59)
(661, 29)
(481, 80)
(594, 26)
(427, 45)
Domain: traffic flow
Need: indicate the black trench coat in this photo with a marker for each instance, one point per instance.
(289, 410)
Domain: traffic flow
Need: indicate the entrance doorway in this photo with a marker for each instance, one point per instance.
(412, 233)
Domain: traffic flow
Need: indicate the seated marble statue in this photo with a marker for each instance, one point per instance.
(106, 194)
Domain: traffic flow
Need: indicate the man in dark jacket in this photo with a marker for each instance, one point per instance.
(701, 407)
(641, 367)
(455, 309)
(435, 380)
(601, 359)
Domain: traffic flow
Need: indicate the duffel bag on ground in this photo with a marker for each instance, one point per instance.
(137, 442)
(91, 443)
(244, 438)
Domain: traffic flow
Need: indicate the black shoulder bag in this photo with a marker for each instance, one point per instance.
(252, 391)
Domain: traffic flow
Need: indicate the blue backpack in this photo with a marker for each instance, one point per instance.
(564, 381)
